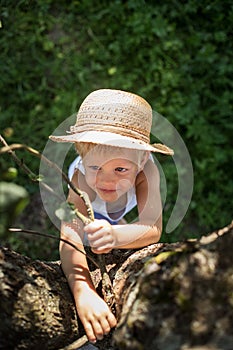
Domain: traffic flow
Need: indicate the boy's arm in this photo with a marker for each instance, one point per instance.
(104, 237)
(74, 263)
(93, 312)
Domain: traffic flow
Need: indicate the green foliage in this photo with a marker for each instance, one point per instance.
(13, 199)
(66, 212)
(176, 54)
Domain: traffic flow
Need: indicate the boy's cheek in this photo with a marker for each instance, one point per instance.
(90, 181)
(125, 184)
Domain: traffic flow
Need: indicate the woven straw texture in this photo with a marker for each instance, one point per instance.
(115, 111)
(107, 113)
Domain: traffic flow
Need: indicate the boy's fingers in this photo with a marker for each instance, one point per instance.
(105, 326)
(112, 320)
(103, 232)
(100, 241)
(101, 251)
(96, 225)
(90, 333)
(101, 246)
(93, 225)
(98, 330)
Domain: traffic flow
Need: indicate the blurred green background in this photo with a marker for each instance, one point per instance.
(176, 54)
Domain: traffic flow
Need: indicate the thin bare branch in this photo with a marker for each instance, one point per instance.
(10, 149)
(13, 229)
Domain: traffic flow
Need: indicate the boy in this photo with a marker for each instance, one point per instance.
(116, 170)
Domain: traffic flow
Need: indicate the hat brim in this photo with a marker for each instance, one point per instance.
(112, 139)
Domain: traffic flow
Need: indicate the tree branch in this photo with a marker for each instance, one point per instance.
(13, 229)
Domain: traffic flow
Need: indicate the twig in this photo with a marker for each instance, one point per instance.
(107, 287)
(13, 229)
(22, 165)
(76, 344)
(14, 146)
(7, 149)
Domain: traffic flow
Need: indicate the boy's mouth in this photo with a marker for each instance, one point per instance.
(106, 190)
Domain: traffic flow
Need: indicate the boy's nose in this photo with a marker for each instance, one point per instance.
(106, 177)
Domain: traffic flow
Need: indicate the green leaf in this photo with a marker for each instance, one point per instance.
(65, 212)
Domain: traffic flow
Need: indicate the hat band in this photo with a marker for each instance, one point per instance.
(136, 134)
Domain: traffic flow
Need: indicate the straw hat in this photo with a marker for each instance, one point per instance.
(114, 118)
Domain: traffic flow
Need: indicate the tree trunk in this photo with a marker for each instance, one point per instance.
(168, 296)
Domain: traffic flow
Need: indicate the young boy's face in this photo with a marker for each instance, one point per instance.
(110, 174)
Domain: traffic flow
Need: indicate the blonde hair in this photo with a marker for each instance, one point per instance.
(85, 147)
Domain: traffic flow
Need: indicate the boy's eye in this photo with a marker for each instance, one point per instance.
(121, 170)
(94, 167)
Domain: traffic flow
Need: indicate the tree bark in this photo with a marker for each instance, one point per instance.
(182, 298)
(168, 296)
(36, 306)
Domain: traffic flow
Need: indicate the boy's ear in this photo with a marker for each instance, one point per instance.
(144, 160)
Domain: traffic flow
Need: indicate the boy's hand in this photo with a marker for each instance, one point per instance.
(100, 236)
(95, 314)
